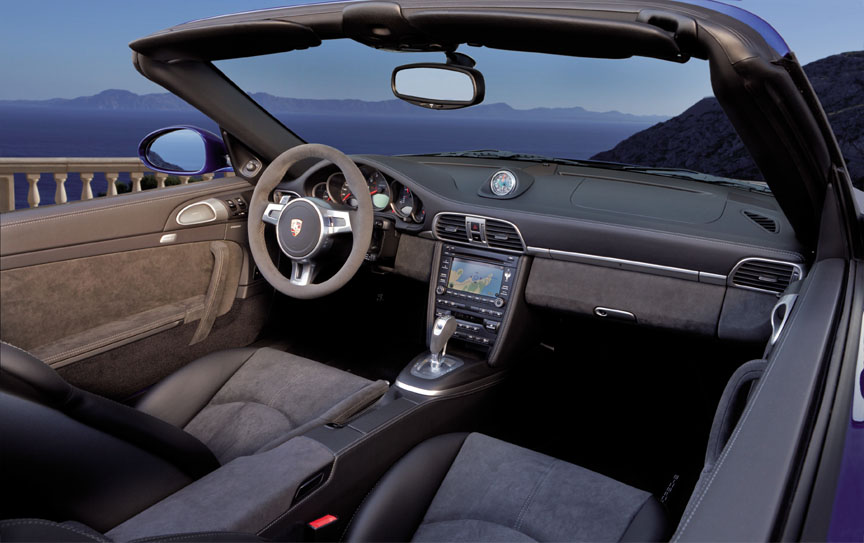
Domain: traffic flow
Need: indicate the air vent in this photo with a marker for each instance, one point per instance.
(767, 223)
(451, 227)
(767, 275)
(503, 235)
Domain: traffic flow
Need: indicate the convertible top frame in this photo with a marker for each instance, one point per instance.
(757, 80)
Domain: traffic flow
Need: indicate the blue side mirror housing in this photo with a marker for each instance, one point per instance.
(184, 150)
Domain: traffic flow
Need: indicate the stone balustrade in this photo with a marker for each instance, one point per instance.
(36, 170)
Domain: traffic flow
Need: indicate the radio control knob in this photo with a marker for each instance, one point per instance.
(440, 290)
(499, 302)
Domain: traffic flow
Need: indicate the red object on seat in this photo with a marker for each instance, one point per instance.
(322, 522)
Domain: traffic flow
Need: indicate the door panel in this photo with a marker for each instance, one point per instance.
(117, 217)
(95, 288)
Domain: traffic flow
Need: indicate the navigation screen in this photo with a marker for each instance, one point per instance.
(475, 277)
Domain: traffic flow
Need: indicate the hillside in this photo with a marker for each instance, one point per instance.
(702, 138)
(123, 100)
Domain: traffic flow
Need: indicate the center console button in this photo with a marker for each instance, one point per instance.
(440, 290)
(499, 302)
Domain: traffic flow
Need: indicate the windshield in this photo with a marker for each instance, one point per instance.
(657, 115)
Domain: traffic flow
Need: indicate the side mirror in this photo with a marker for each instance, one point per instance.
(438, 86)
(183, 150)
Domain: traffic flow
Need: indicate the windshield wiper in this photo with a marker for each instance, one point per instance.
(679, 173)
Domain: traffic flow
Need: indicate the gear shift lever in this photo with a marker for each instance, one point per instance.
(442, 331)
(437, 363)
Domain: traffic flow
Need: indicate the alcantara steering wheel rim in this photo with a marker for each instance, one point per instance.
(321, 222)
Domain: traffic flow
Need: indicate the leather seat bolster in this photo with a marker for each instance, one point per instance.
(181, 395)
(27, 377)
(396, 506)
(651, 523)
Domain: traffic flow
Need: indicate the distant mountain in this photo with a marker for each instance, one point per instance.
(702, 138)
(115, 99)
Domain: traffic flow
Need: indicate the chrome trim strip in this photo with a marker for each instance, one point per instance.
(712, 278)
(421, 391)
(467, 243)
(629, 265)
(796, 268)
(787, 302)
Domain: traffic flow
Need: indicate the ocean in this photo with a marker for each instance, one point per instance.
(58, 132)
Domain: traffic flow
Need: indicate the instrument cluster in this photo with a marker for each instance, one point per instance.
(388, 195)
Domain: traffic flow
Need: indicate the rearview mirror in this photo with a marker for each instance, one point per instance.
(183, 150)
(438, 86)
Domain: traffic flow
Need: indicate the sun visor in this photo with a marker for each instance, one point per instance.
(219, 42)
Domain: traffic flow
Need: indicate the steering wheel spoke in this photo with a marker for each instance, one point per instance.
(303, 273)
(272, 213)
(336, 221)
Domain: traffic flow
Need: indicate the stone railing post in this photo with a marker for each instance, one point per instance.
(60, 193)
(33, 194)
(160, 180)
(86, 190)
(7, 193)
(112, 183)
(184, 179)
(206, 176)
(136, 178)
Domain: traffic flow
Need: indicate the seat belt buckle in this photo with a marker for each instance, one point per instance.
(322, 529)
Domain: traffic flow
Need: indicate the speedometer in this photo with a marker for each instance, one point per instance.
(379, 188)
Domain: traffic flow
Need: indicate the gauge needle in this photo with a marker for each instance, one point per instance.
(373, 192)
(346, 196)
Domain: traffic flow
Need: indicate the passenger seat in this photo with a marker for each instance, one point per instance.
(472, 487)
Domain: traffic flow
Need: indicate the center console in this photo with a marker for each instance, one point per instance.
(476, 287)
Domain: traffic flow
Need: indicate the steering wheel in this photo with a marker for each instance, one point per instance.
(305, 227)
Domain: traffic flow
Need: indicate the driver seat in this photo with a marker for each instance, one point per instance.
(68, 453)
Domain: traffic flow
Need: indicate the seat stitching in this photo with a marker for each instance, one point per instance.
(477, 520)
(24, 522)
(742, 378)
(248, 402)
(181, 537)
(359, 507)
(110, 339)
(728, 448)
(530, 497)
(316, 491)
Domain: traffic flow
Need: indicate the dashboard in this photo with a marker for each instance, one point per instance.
(662, 251)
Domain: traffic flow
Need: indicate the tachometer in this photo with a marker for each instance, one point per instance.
(379, 191)
(405, 204)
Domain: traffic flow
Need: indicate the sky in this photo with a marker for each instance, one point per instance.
(65, 49)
